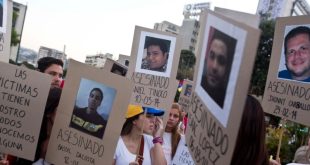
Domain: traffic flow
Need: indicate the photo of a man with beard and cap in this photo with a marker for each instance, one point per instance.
(217, 65)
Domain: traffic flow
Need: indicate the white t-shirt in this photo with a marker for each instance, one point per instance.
(40, 162)
(123, 157)
(167, 146)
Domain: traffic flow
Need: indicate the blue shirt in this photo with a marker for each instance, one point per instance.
(287, 75)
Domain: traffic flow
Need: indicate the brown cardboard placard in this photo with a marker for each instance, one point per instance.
(115, 67)
(153, 88)
(73, 145)
(23, 95)
(246, 18)
(214, 120)
(5, 31)
(186, 94)
(182, 155)
(285, 96)
(170, 42)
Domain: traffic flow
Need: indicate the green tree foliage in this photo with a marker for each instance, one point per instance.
(15, 37)
(25, 64)
(294, 136)
(261, 66)
(185, 68)
(186, 65)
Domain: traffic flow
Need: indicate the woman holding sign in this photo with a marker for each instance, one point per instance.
(250, 146)
(172, 137)
(134, 149)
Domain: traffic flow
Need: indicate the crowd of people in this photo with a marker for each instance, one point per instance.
(143, 138)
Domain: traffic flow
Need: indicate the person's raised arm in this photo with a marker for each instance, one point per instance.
(157, 153)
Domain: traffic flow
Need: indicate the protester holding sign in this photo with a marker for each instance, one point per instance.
(297, 55)
(133, 147)
(171, 135)
(46, 129)
(53, 67)
(250, 145)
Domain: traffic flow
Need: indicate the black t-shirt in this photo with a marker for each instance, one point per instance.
(92, 123)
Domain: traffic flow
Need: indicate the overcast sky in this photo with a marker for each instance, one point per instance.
(102, 26)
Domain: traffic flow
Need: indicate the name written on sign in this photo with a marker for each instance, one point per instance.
(210, 143)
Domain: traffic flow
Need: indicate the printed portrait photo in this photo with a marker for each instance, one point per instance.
(295, 55)
(219, 66)
(155, 54)
(188, 90)
(92, 107)
(3, 15)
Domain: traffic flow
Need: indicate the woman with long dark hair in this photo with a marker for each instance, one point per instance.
(250, 145)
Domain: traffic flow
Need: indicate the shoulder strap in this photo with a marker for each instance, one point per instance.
(140, 160)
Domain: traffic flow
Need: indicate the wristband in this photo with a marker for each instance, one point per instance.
(158, 140)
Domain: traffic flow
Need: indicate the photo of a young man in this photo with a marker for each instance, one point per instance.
(188, 90)
(92, 108)
(157, 53)
(217, 65)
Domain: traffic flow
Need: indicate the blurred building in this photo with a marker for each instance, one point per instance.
(283, 8)
(19, 15)
(190, 26)
(49, 52)
(98, 60)
(166, 26)
(123, 59)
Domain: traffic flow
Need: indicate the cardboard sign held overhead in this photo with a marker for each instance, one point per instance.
(23, 95)
(154, 74)
(115, 67)
(79, 137)
(287, 91)
(186, 94)
(218, 100)
(246, 18)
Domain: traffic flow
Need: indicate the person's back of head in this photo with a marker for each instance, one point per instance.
(250, 144)
(45, 62)
(301, 155)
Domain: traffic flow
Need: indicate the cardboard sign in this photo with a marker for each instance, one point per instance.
(5, 30)
(287, 91)
(115, 67)
(141, 57)
(85, 138)
(186, 95)
(23, 95)
(246, 18)
(182, 155)
(218, 100)
(155, 83)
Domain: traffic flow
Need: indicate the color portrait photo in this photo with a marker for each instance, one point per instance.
(155, 54)
(219, 65)
(295, 55)
(92, 108)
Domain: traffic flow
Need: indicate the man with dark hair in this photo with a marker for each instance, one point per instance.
(217, 66)
(87, 119)
(297, 55)
(53, 67)
(156, 54)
